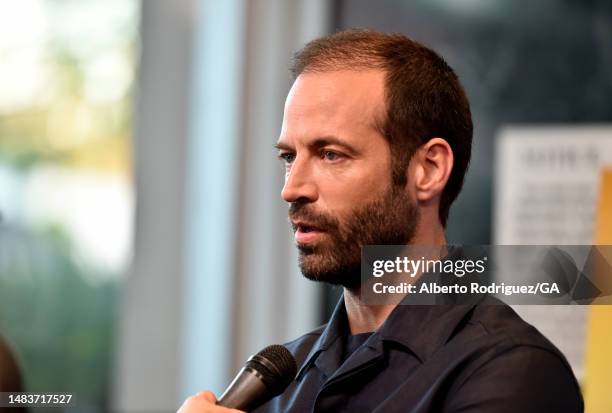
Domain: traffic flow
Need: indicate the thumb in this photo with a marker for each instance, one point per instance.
(207, 395)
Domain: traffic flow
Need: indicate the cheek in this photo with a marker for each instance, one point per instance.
(343, 195)
(344, 187)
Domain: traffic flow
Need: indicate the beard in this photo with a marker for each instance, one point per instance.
(336, 259)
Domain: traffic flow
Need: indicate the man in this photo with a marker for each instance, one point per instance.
(376, 139)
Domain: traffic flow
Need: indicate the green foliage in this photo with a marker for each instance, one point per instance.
(59, 320)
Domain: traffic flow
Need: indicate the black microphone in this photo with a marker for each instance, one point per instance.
(264, 376)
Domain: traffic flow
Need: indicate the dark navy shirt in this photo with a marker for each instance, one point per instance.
(353, 342)
(446, 358)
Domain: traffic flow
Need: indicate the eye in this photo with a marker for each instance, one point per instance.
(287, 157)
(330, 155)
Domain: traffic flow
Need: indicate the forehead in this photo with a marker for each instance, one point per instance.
(339, 103)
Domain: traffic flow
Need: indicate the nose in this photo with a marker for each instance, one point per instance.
(299, 183)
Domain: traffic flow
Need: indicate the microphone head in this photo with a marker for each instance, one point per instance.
(276, 365)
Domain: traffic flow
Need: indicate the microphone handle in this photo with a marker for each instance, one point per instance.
(246, 392)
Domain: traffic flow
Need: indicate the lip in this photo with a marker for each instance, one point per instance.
(306, 233)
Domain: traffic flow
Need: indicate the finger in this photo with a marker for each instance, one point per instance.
(207, 395)
(211, 398)
(201, 402)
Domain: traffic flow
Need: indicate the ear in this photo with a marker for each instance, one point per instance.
(432, 163)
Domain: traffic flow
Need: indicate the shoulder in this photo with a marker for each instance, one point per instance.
(506, 329)
(519, 379)
(511, 364)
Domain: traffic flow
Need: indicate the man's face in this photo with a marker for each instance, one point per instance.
(338, 174)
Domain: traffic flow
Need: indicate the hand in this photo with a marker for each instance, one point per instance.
(204, 402)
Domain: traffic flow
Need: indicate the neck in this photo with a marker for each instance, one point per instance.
(363, 318)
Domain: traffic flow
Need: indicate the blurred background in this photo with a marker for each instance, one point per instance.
(144, 250)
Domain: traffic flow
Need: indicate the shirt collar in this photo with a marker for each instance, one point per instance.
(335, 328)
(422, 329)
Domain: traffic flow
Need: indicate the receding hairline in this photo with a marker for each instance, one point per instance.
(380, 116)
(351, 64)
(359, 48)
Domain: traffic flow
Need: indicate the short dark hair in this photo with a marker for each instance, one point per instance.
(424, 98)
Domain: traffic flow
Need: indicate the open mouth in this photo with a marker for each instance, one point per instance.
(307, 228)
(306, 233)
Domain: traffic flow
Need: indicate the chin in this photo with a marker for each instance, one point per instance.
(312, 268)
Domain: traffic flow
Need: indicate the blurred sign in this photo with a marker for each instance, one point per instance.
(546, 192)
(598, 358)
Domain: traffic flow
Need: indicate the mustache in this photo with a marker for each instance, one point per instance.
(303, 212)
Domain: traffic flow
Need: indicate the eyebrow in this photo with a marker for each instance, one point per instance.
(282, 146)
(319, 143)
